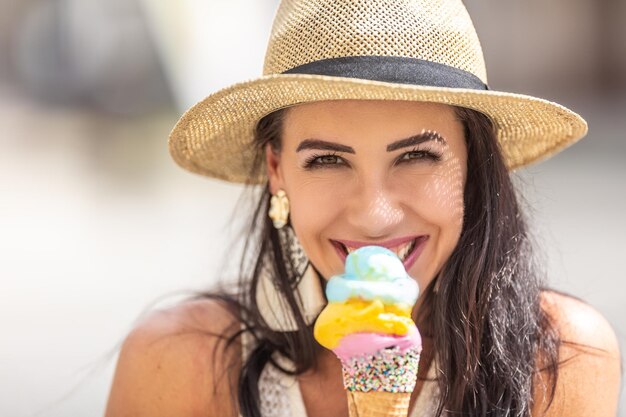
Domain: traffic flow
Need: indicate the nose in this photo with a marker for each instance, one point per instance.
(375, 211)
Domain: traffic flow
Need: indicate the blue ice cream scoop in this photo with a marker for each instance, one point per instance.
(373, 273)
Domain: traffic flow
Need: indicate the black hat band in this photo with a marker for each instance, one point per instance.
(393, 69)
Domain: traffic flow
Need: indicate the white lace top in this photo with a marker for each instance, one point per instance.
(280, 393)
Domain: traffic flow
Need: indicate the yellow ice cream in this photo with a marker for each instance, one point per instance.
(357, 316)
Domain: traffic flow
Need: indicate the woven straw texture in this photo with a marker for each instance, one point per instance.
(311, 30)
(378, 404)
(215, 137)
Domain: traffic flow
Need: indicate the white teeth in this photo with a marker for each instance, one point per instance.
(403, 251)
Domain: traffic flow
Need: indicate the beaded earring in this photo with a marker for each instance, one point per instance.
(279, 209)
(308, 292)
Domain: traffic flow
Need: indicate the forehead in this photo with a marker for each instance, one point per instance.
(354, 119)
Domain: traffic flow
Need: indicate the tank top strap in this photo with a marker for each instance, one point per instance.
(427, 400)
(279, 393)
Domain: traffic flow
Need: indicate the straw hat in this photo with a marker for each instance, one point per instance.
(417, 50)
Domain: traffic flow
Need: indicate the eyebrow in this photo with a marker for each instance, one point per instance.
(399, 144)
(425, 136)
(323, 145)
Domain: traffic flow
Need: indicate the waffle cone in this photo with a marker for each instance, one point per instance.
(378, 404)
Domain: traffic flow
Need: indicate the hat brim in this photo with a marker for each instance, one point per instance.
(215, 136)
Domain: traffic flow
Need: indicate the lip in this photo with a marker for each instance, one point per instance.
(420, 242)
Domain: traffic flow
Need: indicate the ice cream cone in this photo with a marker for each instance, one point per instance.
(367, 324)
(381, 384)
(378, 404)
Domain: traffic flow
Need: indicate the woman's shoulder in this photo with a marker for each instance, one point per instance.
(589, 360)
(174, 362)
(578, 322)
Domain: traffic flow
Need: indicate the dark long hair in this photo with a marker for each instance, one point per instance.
(484, 318)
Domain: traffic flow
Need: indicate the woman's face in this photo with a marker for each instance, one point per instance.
(385, 173)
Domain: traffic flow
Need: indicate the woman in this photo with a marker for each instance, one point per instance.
(373, 124)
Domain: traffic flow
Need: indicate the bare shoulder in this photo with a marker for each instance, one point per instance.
(589, 360)
(174, 362)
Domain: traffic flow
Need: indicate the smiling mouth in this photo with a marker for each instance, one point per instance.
(403, 250)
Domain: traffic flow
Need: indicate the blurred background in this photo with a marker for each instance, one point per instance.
(97, 224)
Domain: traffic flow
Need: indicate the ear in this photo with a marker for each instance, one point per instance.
(274, 171)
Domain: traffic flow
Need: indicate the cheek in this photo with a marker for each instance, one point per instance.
(439, 196)
(447, 189)
(313, 207)
(314, 211)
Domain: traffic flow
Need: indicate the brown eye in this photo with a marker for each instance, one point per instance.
(324, 161)
(329, 159)
(414, 155)
(417, 155)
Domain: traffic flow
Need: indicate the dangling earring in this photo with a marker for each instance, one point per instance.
(279, 209)
(308, 292)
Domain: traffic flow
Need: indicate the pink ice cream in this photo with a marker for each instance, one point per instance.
(359, 344)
